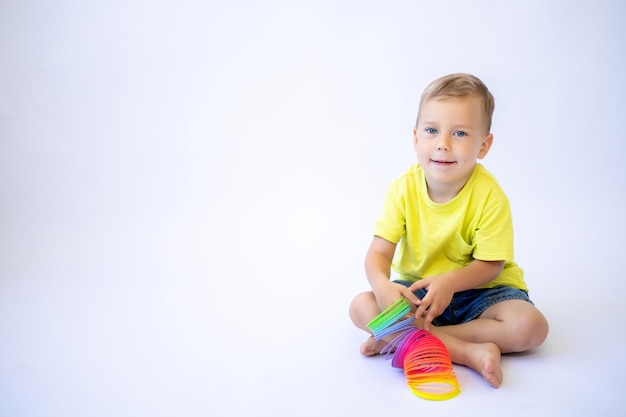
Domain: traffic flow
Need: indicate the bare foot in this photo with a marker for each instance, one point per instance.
(372, 346)
(484, 358)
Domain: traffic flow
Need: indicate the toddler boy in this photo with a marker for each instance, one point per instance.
(446, 229)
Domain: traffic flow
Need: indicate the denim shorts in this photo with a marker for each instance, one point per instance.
(469, 305)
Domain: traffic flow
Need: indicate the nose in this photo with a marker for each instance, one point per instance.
(444, 143)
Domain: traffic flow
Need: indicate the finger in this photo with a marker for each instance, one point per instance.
(412, 298)
(427, 322)
(429, 318)
(421, 310)
(419, 284)
(423, 306)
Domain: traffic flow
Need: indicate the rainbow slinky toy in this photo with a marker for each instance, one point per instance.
(423, 357)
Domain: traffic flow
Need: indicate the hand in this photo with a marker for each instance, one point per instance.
(438, 296)
(390, 292)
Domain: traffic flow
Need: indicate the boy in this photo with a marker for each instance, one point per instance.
(451, 225)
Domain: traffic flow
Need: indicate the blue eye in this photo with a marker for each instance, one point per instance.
(431, 130)
(460, 133)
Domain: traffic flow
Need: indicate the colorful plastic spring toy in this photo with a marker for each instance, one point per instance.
(423, 357)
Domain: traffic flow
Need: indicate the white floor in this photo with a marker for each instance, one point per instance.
(187, 191)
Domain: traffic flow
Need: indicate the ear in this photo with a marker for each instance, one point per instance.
(415, 137)
(485, 146)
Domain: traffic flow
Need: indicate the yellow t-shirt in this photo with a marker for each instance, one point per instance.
(435, 238)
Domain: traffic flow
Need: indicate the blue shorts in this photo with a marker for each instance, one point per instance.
(468, 305)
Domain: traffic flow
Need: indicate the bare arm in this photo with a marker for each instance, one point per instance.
(378, 270)
(473, 275)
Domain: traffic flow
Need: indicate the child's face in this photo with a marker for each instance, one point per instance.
(448, 139)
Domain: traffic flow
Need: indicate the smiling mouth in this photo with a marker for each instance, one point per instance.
(443, 163)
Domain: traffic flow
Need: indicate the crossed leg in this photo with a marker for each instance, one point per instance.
(508, 326)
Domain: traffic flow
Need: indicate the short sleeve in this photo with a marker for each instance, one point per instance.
(391, 225)
(494, 235)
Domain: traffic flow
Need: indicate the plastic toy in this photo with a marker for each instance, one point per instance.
(423, 357)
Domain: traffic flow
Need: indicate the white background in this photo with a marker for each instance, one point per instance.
(188, 188)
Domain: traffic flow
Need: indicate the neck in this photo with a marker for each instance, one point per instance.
(442, 194)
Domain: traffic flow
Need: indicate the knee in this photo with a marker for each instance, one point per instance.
(529, 332)
(360, 307)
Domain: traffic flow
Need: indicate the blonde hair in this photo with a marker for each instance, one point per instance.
(460, 85)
